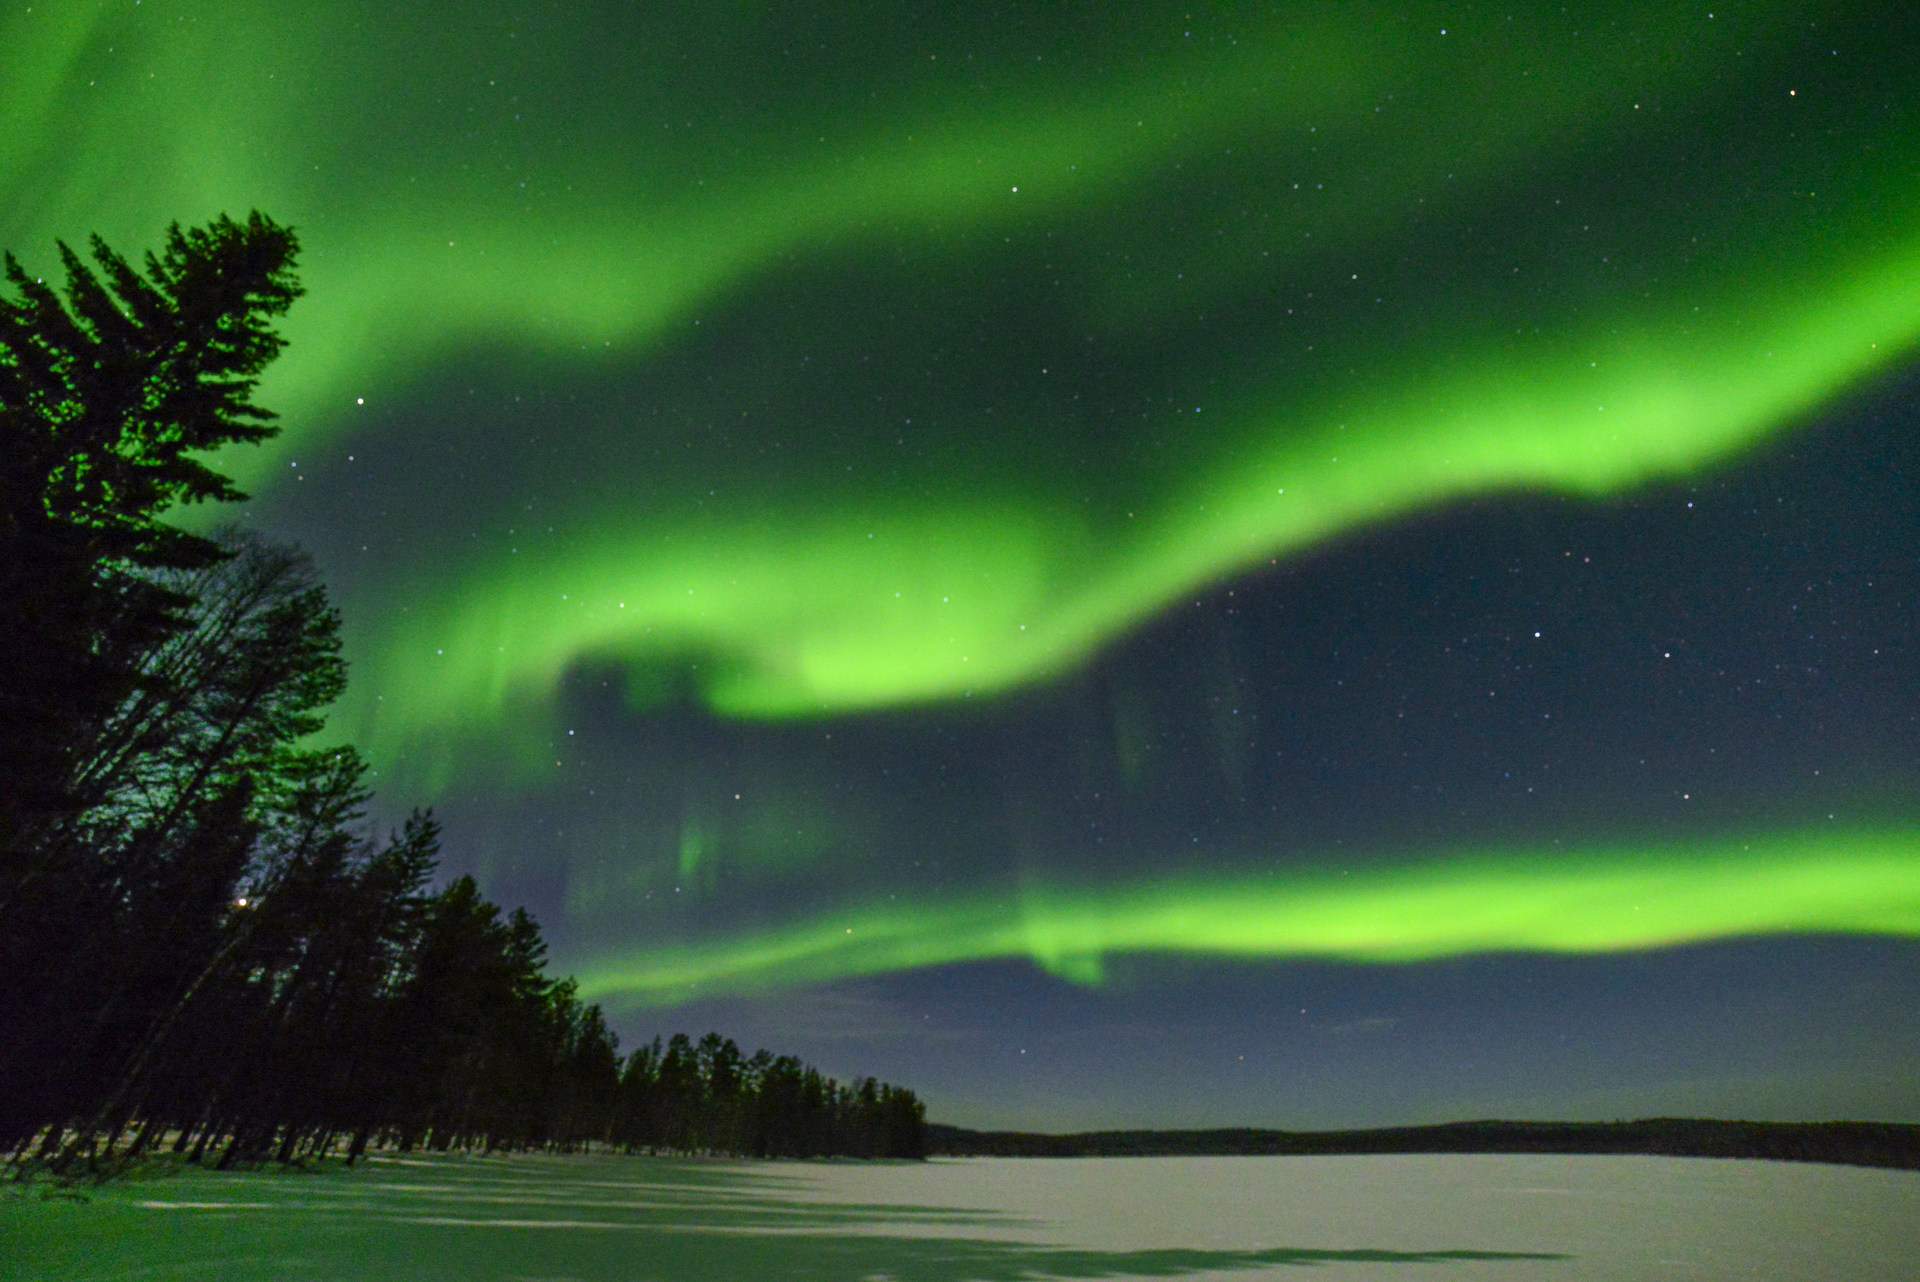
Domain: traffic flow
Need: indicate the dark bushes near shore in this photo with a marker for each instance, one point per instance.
(1890, 1144)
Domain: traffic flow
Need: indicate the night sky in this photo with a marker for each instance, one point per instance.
(1118, 565)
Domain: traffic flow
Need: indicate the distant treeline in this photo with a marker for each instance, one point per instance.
(200, 943)
(1850, 1143)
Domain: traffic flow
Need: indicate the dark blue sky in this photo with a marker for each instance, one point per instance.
(1146, 566)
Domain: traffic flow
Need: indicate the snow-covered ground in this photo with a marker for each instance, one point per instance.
(613, 1218)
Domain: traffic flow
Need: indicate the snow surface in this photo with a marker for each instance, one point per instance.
(607, 1218)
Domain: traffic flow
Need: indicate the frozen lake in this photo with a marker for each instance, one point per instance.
(537, 1219)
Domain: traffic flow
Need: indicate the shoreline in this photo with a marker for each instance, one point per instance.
(1889, 1145)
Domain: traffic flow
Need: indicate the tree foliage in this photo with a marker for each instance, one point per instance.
(109, 398)
(203, 943)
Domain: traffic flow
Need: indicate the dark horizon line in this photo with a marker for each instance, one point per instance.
(1851, 1143)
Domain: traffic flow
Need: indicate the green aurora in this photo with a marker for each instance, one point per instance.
(1749, 305)
(801, 616)
(1590, 901)
(1765, 309)
(1311, 274)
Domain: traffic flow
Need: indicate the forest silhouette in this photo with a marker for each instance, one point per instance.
(205, 948)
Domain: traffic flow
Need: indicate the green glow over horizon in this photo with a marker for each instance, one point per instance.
(717, 381)
(1598, 900)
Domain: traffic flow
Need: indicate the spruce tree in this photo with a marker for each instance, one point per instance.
(109, 398)
(110, 393)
